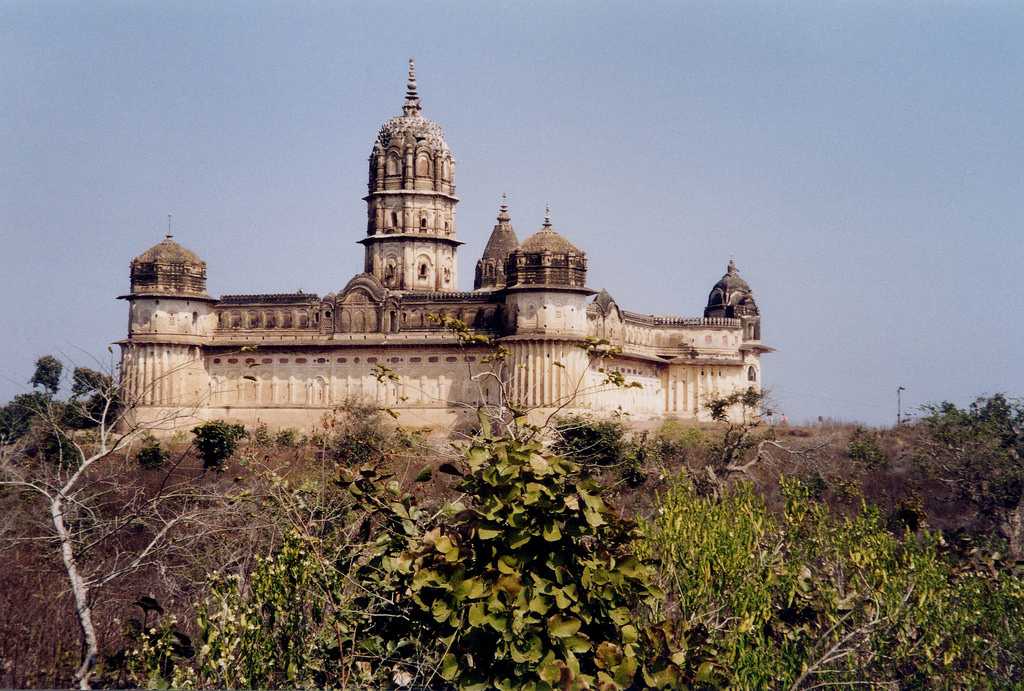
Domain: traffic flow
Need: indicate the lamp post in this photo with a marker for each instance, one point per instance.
(899, 404)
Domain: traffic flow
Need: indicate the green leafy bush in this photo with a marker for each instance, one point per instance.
(151, 454)
(676, 440)
(863, 447)
(287, 438)
(217, 441)
(811, 599)
(260, 436)
(589, 441)
(978, 452)
(532, 585)
(358, 434)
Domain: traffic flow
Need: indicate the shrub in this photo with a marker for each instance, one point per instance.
(287, 438)
(531, 584)
(589, 441)
(676, 441)
(357, 435)
(863, 447)
(809, 598)
(534, 584)
(151, 454)
(260, 436)
(216, 442)
(639, 451)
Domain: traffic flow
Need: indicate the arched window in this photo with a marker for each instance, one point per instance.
(423, 165)
(394, 220)
(751, 374)
(423, 223)
(392, 165)
(423, 270)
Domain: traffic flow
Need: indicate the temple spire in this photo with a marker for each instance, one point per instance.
(412, 99)
(547, 216)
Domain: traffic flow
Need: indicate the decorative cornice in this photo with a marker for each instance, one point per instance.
(270, 298)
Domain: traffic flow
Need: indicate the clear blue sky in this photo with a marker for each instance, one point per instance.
(863, 162)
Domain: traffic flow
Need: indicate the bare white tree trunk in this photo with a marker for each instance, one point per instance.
(80, 591)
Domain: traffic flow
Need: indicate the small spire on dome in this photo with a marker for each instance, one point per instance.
(412, 99)
(731, 269)
(168, 236)
(503, 215)
(547, 216)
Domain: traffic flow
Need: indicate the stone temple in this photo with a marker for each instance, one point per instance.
(284, 359)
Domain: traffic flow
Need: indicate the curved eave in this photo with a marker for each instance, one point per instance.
(176, 296)
(165, 339)
(382, 237)
(549, 288)
(757, 348)
(427, 193)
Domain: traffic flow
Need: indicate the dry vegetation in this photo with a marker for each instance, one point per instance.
(583, 553)
(250, 504)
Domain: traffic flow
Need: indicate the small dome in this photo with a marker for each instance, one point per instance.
(731, 280)
(167, 251)
(547, 240)
(547, 259)
(168, 268)
(731, 297)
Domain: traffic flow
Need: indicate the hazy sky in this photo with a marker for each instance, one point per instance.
(862, 162)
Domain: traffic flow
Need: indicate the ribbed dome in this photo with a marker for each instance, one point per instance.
(411, 122)
(167, 251)
(168, 268)
(546, 259)
(547, 240)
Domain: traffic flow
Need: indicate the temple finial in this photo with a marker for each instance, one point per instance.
(412, 99)
(503, 215)
(168, 236)
(731, 269)
(547, 215)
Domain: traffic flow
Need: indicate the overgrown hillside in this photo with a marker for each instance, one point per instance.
(574, 556)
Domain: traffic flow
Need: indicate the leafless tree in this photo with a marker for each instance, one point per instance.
(102, 528)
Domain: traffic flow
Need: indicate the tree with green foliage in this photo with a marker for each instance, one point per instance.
(216, 441)
(978, 452)
(810, 600)
(589, 441)
(47, 374)
(151, 454)
(16, 417)
(530, 583)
